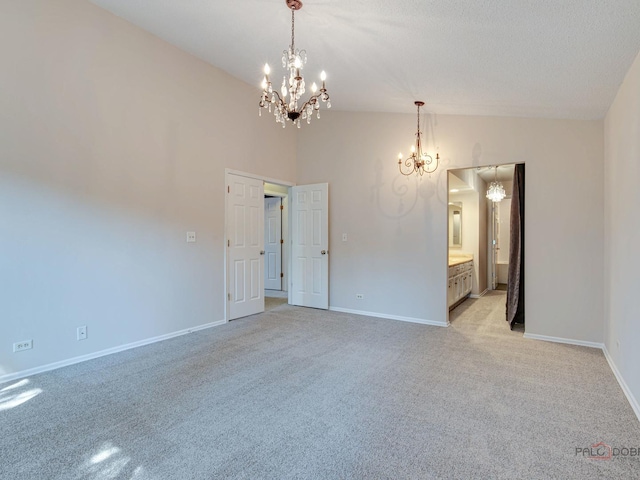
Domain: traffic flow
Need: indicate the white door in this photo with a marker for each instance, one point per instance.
(245, 245)
(310, 245)
(273, 243)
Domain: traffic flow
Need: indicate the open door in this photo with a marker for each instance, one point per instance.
(273, 243)
(310, 246)
(245, 245)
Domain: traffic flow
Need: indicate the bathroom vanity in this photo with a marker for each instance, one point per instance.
(460, 279)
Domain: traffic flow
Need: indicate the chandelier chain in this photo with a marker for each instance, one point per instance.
(293, 23)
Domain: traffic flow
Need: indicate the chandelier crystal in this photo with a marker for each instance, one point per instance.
(286, 104)
(418, 161)
(496, 192)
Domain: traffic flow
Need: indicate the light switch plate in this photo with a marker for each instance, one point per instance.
(191, 237)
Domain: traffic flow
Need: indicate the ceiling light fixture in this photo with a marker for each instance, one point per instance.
(418, 161)
(496, 191)
(293, 60)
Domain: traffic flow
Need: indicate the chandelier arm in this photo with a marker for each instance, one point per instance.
(312, 101)
(431, 164)
(322, 94)
(410, 164)
(280, 102)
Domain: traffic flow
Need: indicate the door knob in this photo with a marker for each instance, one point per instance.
(323, 252)
(261, 252)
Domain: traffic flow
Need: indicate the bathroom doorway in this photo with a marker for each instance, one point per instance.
(479, 231)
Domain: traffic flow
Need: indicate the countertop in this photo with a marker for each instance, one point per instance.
(459, 259)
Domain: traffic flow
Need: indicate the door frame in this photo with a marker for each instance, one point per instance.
(285, 233)
(492, 269)
(489, 247)
(227, 172)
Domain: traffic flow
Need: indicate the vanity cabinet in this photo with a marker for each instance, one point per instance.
(460, 282)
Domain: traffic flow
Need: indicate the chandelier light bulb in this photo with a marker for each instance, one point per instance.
(314, 87)
(267, 69)
(323, 76)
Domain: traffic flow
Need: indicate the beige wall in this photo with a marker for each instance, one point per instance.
(397, 249)
(622, 233)
(113, 145)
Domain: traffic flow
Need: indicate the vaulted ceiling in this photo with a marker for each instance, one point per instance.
(543, 58)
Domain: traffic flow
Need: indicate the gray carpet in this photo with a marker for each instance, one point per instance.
(304, 393)
(273, 302)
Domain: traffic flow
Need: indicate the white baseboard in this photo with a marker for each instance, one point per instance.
(473, 295)
(390, 317)
(625, 388)
(568, 341)
(90, 356)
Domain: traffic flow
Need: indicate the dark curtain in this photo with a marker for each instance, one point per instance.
(515, 285)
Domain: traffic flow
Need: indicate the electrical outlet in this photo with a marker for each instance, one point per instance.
(359, 296)
(82, 333)
(191, 237)
(23, 345)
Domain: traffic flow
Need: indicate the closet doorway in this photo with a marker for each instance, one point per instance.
(276, 234)
(305, 245)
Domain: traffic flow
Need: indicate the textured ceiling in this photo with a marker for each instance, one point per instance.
(535, 58)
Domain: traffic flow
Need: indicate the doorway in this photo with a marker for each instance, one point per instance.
(303, 255)
(276, 237)
(480, 233)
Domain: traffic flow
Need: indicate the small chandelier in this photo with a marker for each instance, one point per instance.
(418, 161)
(293, 60)
(496, 191)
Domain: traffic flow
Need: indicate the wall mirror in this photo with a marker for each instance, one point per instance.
(455, 224)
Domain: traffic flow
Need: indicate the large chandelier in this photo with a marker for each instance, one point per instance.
(294, 87)
(418, 161)
(496, 191)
